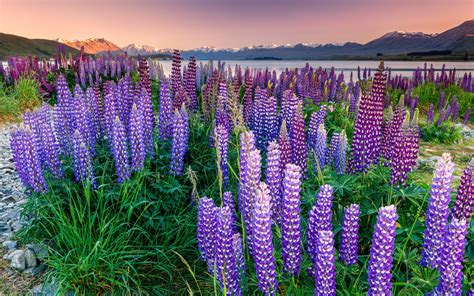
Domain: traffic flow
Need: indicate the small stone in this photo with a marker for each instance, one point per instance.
(18, 260)
(8, 244)
(30, 259)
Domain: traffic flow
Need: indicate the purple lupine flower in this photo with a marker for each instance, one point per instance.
(27, 162)
(206, 231)
(431, 113)
(336, 138)
(325, 274)
(165, 116)
(299, 149)
(83, 169)
(381, 252)
(93, 105)
(284, 145)
(467, 116)
(226, 264)
(49, 143)
(146, 107)
(319, 218)
(110, 108)
(120, 151)
(290, 219)
(222, 151)
(392, 129)
(250, 173)
(438, 211)
(228, 201)
(136, 138)
(316, 119)
(83, 119)
(320, 148)
(452, 253)
(464, 204)
(273, 175)
(180, 141)
(350, 235)
(239, 252)
(263, 242)
(340, 154)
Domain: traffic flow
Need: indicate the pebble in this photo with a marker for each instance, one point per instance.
(9, 245)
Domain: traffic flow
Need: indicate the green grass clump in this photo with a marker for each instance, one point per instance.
(26, 93)
(446, 133)
(9, 106)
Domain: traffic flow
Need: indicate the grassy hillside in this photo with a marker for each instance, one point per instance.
(12, 45)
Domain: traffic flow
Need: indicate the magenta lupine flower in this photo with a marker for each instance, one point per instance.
(165, 117)
(320, 148)
(83, 169)
(366, 142)
(191, 84)
(27, 161)
(222, 151)
(299, 149)
(226, 264)
(144, 72)
(381, 252)
(263, 242)
(250, 173)
(120, 151)
(206, 231)
(452, 253)
(350, 235)
(392, 128)
(179, 145)
(319, 218)
(290, 220)
(284, 146)
(464, 204)
(438, 211)
(176, 72)
(136, 138)
(316, 119)
(273, 178)
(401, 163)
(325, 274)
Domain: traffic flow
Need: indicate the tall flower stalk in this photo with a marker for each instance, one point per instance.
(350, 235)
(290, 219)
(438, 211)
(381, 252)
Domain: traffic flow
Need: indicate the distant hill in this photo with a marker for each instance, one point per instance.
(455, 43)
(12, 45)
(92, 45)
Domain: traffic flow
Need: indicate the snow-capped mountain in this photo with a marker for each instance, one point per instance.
(91, 45)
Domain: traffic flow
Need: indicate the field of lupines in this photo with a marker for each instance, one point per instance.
(243, 181)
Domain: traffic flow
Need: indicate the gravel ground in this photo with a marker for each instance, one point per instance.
(11, 190)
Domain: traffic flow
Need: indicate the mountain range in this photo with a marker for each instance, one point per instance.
(455, 43)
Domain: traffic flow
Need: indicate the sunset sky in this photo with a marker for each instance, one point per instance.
(186, 24)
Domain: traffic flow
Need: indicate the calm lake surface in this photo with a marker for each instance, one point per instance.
(398, 67)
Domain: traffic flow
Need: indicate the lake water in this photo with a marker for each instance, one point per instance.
(405, 68)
